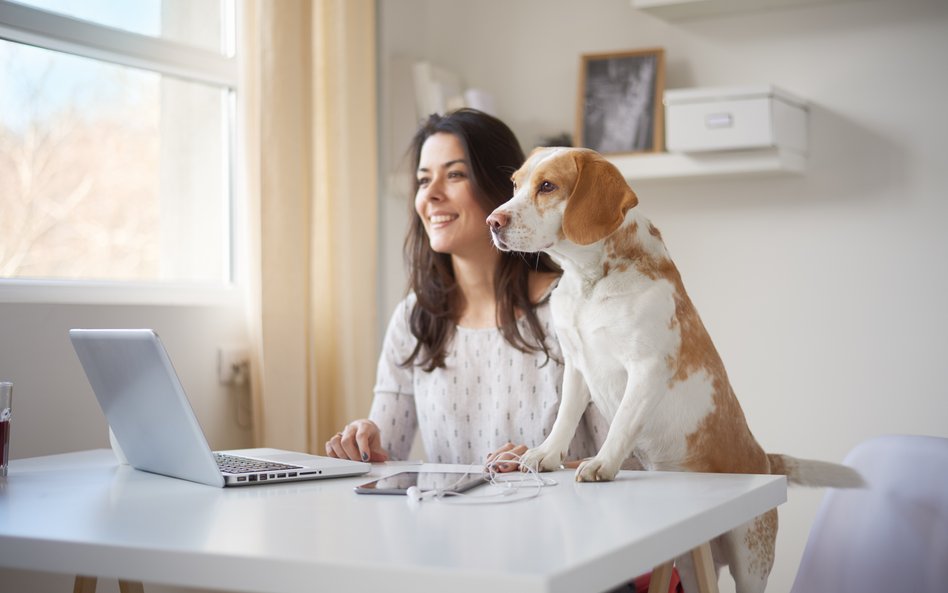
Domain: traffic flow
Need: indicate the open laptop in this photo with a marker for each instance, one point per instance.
(149, 413)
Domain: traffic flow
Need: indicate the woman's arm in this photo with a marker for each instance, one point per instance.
(390, 428)
(394, 414)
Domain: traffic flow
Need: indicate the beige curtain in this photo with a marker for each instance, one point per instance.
(308, 106)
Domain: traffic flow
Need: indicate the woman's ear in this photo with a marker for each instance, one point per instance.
(599, 201)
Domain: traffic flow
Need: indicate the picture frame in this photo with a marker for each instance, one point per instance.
(620, 102)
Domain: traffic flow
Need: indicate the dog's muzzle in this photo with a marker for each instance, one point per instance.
(497, 222)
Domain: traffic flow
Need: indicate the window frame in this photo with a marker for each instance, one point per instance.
(47, 30)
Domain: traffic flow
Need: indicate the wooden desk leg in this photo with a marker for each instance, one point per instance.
(84, 585)
(131, 587)
(704, 569)
(661, 578)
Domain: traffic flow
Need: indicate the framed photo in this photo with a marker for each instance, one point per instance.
(620, 102)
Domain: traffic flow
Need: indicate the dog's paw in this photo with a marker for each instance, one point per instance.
(542, 459)
(596, 470)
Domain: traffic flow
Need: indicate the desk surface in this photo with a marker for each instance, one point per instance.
(81, 513)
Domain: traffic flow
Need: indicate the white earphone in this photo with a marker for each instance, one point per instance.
(416, 494)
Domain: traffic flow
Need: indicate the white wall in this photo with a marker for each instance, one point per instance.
(53, 406)
(54, 410)
(824, 293)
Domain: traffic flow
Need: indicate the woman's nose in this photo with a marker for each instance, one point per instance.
(432, 191)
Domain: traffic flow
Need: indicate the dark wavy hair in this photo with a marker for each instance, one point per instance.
(493, 154)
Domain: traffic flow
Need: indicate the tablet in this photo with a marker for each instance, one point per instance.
(425, 481)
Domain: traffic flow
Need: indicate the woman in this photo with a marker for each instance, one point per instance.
(469, 358)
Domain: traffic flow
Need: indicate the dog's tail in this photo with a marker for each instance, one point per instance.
(810, 472)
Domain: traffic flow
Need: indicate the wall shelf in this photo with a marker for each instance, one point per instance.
(732, 163)
(680, 10)
(677, 165)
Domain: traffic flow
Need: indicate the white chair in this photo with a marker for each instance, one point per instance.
(887, 538)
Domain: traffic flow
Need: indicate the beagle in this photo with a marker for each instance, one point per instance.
(633, 342)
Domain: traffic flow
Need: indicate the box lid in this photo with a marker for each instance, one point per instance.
(730, 93)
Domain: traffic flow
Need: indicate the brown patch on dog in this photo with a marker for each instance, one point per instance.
(696, 351)
(722, 441)
(599, 200)
(760, 540)
(625, 249)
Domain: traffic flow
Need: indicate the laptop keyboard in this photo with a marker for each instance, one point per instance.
(232, 464)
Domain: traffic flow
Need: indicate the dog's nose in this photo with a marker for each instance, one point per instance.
(497, 221)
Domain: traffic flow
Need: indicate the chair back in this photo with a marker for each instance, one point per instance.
(891, 536)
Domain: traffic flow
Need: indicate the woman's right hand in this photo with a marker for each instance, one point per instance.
(360, 440)
(505, 459)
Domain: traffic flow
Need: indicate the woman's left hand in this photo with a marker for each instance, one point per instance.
(508, 451)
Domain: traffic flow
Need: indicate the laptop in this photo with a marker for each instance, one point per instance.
(152, 420)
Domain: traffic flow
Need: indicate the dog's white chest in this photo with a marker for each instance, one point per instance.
(606, 332)
(583, 329)
(614, 322)
(622, 338)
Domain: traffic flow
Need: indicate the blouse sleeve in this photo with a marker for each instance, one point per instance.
(393, 407)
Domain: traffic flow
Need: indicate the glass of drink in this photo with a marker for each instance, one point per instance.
(6, 412)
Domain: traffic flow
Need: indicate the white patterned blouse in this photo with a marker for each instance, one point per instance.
(487, 394)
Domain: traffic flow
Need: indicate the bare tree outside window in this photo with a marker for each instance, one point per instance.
(109, 172)
(77, 168)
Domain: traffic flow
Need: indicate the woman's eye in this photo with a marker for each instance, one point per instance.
(422, 181)
(546, 187)
(456, 174)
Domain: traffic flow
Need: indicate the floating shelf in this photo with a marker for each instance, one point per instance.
(681, 10)
(731, 163)
(679, 165)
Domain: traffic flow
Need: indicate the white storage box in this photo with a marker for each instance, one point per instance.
(734, 118)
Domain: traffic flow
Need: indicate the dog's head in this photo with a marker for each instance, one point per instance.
(571, 194)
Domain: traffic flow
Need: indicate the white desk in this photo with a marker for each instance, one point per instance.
(93, 517)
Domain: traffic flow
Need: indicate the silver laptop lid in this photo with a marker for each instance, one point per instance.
(144, 403)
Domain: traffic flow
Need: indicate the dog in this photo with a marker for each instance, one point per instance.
(633, 342)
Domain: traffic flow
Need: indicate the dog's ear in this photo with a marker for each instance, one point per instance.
(600, 199)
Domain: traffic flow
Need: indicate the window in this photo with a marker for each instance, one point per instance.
(116, 141)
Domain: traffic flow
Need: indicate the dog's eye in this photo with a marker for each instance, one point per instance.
(546, 187)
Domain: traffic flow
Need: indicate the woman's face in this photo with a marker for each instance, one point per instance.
(453, 218)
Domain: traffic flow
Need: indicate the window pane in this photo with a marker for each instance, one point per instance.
(199, 23)
(110, 173)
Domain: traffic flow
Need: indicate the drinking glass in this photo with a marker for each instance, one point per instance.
(6, 407)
